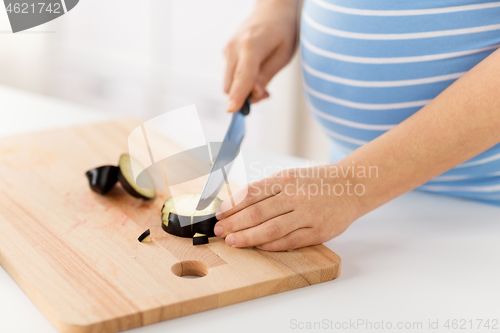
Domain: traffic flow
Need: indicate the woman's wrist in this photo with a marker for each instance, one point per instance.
(357, 184)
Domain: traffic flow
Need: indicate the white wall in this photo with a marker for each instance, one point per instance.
(145, 57)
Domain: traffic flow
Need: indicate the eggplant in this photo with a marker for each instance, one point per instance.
(145, 237)
(126, 178)
(102, 179)
(180, 217)
(200, 239)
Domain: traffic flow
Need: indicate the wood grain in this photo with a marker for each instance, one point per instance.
(76, 254)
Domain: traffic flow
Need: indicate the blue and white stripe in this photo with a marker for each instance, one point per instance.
(369, 65)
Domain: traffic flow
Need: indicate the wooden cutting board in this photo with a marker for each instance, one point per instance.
(76, 254)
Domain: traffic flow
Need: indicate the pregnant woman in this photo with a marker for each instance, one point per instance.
(410, 89)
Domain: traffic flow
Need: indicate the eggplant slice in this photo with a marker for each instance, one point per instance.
(102, 179)
(178, 211)
(126, 177)
(145, 237)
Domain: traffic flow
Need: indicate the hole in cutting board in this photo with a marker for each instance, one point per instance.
(190, 269)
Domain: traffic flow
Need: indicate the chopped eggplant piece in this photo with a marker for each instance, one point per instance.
(145, 237)
(126, 177)
(180, 218)
(102, 179)
(200, 239)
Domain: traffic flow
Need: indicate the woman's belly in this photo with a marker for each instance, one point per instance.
(368, 65)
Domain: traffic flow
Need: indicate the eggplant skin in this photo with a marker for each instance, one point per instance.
(144, 235)
(201, 224)
(102, 179)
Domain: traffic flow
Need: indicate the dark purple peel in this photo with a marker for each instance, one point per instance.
(102, 179)
(145, 237)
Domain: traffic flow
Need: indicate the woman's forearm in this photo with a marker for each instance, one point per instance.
(460, 123)
(274, 7)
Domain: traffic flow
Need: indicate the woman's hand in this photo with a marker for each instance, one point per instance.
(263, 45)
(290, 209)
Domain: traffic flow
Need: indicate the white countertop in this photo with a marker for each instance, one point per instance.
(417, 259)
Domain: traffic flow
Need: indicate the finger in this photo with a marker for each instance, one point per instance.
(266, 232)
(245, 76)
(248, 195)
(296, 239)
(271, 66)
(231, 60)
(269, 69)
(259, 93)
(253, 215)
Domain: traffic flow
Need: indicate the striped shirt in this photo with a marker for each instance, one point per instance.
(368, 65)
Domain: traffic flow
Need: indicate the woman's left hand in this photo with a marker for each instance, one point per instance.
(289, 210)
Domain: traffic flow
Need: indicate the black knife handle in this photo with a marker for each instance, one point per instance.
(245, 109)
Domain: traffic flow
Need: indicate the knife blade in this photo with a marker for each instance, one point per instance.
(227, 153)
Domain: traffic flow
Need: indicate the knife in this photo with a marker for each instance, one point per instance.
(227, 153)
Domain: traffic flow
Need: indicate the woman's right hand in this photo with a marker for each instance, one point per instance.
(263, 45)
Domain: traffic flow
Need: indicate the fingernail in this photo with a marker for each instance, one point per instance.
(218, 215)
(218, 230)
(231, 240)
(231, 105)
